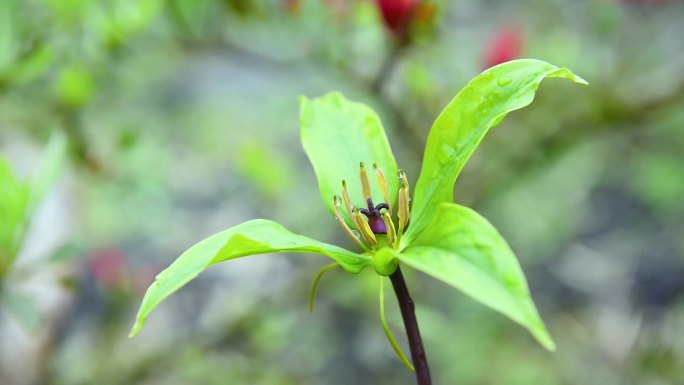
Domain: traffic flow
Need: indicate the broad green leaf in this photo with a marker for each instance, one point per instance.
(250, 238)
(482, 104)
(338, 134)
(462, 249)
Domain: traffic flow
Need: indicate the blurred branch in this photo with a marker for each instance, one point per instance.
(388, 64)
(401, 41)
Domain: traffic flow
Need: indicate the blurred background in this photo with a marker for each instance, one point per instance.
(130, 130)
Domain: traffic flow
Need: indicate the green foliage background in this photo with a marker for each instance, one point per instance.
(182, 120)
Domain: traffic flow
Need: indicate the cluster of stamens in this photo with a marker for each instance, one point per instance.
(378, 219)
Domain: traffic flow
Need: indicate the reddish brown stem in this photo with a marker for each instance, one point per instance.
(408, 313)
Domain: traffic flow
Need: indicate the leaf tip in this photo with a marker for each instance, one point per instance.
(544, 338)
(136, 328)
(567, 74)
(579, 80)
(548, 343)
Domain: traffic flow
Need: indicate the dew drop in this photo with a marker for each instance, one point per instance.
(503, 81)
(446, 154)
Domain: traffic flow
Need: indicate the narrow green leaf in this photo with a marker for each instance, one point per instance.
(14, 207)
(482, 104)
(250, 238)
(18, 198)
(338, 134)
(388, 332)
(462, 249)
(316, 281)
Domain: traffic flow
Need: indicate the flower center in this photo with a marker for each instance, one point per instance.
(378, 219)
(375, 220)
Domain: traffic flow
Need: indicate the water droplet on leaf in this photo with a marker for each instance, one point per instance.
(446, 154)
(503, 81)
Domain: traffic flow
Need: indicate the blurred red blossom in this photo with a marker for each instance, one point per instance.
(396, 14)
(108, 267)
(507, 44)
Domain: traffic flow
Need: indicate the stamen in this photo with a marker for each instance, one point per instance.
(403, 201)
(364, 228)
(389, 225)
(345, 227)
(365, 183)
(347, 203)
(382, 181)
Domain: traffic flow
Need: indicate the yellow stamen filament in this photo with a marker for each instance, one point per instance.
(382, 181)
(347, 203)
(389, 225)
(365, 183)
(364, 228)
(345, 227)
(403, 201)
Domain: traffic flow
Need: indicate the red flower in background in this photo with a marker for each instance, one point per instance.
(108, 267)
(506, 45)
(396, 14)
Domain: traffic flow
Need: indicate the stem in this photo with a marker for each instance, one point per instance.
(388, 64)
(401, 40)
(408, 313)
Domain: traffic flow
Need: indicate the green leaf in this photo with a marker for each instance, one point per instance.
(18, 199)
(338, 134)
(14, 207)
(388, 332)
(482, 104)
(464, 250)
(250, 238)
(316, 281)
